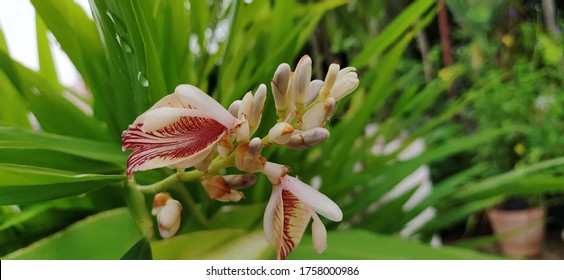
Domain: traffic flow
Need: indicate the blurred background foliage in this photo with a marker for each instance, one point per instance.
(475, 111)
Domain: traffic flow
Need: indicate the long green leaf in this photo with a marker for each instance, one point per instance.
(363, 245)
(95, 150)
(46, 64)
(25, 184)
(33, 223)
(55, 160)
(107, 235)
(46, 100)
(392, 32)
(213, 244)
(78, 38)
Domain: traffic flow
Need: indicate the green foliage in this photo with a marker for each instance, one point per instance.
(355, 245)
(67, 177)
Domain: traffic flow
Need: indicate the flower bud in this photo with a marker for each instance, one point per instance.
(248, 156)
(330, 79)
(314, 88)
(234, 108)
(218, 188)
(306, 139)
(240, 181)
(246, 106)
(280, 133)
(300, 82)
(279, 85)
(318, 114)
(225, 146)
(346, 82)
(168, 212)
(258, 105)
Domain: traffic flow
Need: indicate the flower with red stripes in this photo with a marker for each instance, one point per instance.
(179, 131)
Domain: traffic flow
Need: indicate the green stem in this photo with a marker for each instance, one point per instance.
(193, 206)
(136, 203)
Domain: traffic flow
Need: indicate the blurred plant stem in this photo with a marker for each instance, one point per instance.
(446, 48)
(549, 12)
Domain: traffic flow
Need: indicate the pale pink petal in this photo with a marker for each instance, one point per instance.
(313, 199)
(192, 95)
(269, 218)
(275, 172)
(318, 234)
(180, 144)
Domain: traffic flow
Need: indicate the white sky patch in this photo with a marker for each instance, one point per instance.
(17, 21)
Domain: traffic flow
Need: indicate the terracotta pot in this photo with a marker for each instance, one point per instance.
(521, 231)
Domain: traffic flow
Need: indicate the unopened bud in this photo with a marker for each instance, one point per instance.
(346, 82)
(330, 79)
(246, 106)
(168, 212)
(225, 146)
(300, 82)
(248, 156)
(234, 108)
(307, 139)
(318, 114)
(241, 131)
(258, 105)
(280, 133)
(240, 181)
(279, 85)
(314, 88)
(218, 188)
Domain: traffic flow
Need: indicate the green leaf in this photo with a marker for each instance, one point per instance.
(107, 235)
(79, 39)
(496, 185)
(395, 30)
(25, 184)
(237, 216)
(363, 245)
(140, 251)
(55, 159)
(35, 222)
(12, 109)
(213, 244)
(95, 150)
(46, 100)
(46, 64)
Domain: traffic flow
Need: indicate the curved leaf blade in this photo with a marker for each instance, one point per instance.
(107, 235)
(26, 184)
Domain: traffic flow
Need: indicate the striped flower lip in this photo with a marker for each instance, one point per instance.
(289, 210)
(179, 131)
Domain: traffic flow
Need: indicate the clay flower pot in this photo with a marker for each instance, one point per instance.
(522, 231)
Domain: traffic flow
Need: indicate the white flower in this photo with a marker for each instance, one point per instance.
(291, 206)
(179, 131)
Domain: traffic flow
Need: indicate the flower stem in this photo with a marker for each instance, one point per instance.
(194, 209)
(136, 203)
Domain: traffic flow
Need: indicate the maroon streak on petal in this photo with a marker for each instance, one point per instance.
(291, 218)
(172, 144)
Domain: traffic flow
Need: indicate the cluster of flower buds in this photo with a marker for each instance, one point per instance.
(188, 128)
(303, 106)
